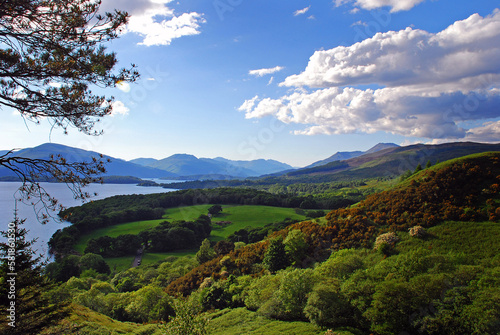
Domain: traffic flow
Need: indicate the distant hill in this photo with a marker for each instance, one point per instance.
(117, 167)
(208, 168)
(391, 161)
(344, 155)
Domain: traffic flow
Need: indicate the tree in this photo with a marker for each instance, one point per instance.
(418, 168)
(187, 320)
(95, 262)
(223, 247)
(276, 258)
(205, 253)
(24, 307)
(296, 245)
(51, 55)
(215, 209)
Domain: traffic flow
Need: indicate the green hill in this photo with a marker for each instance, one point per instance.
(392, 162)
(419, 258)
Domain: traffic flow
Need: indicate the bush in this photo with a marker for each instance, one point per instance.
(417, 231)
(389, 239)
(327, 307)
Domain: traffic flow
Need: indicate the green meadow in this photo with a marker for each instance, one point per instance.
(239, 216)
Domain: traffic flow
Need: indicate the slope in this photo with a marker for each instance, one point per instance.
(466, 189)
(117, 167)
(345, 155)
(391, 162)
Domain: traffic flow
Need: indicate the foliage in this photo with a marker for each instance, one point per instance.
(295, 246)
(51, 54)
(205, 253)
(215, 209)
(328, 307)
(417, 231)
(94, 262)
(240, 321)
(122, 245)
(187, 320)
(424, 285)
(276, 257)
(25, 308)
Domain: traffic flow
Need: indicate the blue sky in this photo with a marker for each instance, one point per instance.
(294, 80)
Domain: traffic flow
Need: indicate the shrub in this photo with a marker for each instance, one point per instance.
(389, 239)
(417, 231)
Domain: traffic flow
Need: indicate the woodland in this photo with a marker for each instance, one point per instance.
(421, 257)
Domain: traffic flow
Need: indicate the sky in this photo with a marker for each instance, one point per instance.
(295, 81)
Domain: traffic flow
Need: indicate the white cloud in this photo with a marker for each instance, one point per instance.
(488, 132)
(421, 84)
(155, 22)
(359, 23)
(263, 72)
(396, 5)
(301, 11)
(119, 108)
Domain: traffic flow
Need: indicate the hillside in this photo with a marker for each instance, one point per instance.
(466, 189)
(345, 155)
(391, 162)
(421, 257)
(117, 167)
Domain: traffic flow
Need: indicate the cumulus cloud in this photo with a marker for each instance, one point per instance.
(301, 11)
(421, 84)
(119, 108)
(263, 72)
(396, 5)
(488, 132)
(155, 21)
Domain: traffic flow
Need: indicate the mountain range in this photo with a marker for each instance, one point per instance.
(117, 167)
(179, 166)
(389, 162)
(344, 155)
(189, 165)
(382, 160)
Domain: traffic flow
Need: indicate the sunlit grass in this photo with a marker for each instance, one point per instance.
(240, 321)
(240, 217)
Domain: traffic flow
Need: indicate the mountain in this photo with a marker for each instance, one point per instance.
(208, 168)
(143, 161)
(259, 166)
(117, 167)
(391, 161)
(344, 155)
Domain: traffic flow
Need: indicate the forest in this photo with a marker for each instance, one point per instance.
(421, 257)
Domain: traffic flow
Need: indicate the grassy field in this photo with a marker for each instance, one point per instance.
(114, 231)
(239, 216)
(240, 321)
(249, 216)
(154, 257)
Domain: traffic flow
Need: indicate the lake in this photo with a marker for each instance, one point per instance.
(61, 192)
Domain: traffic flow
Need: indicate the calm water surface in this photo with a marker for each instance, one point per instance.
(65, 197)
